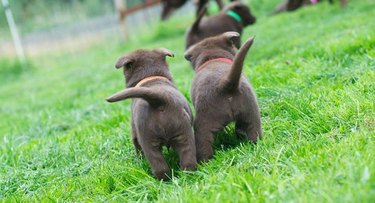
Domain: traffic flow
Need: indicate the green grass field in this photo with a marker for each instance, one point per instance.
(313, 72)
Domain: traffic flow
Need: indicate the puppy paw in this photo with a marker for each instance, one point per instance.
(189, 167)
(163, 175)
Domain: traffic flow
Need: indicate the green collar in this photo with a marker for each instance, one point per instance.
(234, 15)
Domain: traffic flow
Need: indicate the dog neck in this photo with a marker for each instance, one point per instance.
(144, 80)
(234, 15)
(221, 59)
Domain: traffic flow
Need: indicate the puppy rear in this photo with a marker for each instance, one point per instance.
(160, 113)
(220, 93)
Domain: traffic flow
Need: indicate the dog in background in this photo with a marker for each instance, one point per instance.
(292, 5)
(160, 113)
(220, 93)
(169, 6)
(233, 17)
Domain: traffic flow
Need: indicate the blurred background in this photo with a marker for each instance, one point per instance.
(45, 25)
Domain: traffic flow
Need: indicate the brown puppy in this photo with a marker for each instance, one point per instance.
(169, 6)
(234, 17)
(292, 5)
(220, 93)
(160, 113)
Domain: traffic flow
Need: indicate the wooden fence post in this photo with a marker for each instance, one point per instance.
(121, 9)
(14, 32)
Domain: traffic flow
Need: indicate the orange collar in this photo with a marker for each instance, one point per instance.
(144, 80)
(226, 60)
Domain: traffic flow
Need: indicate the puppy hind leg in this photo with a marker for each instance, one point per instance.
(240, 130)
(204, 139)
(137, 146)
(185, 147)
(250, 130)
(155, 158)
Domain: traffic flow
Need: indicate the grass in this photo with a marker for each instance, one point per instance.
(313, 71)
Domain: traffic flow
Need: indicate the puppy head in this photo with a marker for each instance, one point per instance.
(211, 48)
(144, 63)
(243, 10)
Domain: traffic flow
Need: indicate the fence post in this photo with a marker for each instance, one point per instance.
(121, 8)
(14, 32)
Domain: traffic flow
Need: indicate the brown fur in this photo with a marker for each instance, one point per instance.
(292, 5)
(210, 26)
(160, 113)
(169, 6)
(220, 93)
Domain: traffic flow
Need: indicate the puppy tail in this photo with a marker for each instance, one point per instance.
(155, 99)
(201, 13)
(232, 80)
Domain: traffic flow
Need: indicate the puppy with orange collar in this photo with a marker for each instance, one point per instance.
(160, 113)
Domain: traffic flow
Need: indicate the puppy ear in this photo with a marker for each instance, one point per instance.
(165, 52)
(231, 36)
(123, 61)
(189, 53)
